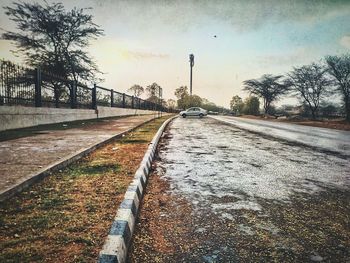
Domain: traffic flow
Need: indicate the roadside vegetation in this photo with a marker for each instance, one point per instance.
(67, 216)
(55, 39)
(316, 85)
(322, 89)
(185, 100)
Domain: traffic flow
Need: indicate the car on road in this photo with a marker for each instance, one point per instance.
(194, 111)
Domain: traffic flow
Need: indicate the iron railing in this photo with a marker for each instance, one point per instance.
(17, 84)
(34, 87)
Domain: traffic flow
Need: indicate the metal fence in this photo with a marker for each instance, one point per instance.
(17, 84)
(33, 87)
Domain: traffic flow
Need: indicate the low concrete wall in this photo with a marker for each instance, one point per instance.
(14, 117)
(104, 112)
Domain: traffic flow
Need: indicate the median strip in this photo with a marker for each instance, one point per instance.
(118, 241)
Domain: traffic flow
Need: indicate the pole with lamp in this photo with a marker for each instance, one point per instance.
(191, 66)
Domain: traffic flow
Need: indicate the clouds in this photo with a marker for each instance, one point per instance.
(131, 54)
(345, 41)
(298, 56)
(241, 15)
(114, 51)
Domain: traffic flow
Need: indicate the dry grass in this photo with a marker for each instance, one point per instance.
(66, 217)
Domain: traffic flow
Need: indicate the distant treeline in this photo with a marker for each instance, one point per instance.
(185, 100)
(314, 85)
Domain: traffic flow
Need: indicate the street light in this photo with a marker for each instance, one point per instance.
(191, 66)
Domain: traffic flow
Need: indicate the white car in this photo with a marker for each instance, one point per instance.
(194, 111)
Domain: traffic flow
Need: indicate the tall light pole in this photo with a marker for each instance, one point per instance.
(160, 93)
(191, 66)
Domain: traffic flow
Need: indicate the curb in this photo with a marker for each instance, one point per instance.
(119, 237)
(46, 171)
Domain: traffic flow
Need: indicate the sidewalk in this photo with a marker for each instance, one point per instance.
(27, 159)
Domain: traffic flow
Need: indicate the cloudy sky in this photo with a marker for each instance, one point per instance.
(149, 41)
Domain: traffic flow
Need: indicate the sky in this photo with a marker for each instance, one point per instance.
(150, 41)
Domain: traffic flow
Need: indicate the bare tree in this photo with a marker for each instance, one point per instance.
(339, 69)
(268, 87)
(310, 84)
(136, 90)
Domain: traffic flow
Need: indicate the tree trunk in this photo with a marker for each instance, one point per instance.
(313, 113)
(266, 108)
(347, 109)
(57, 97)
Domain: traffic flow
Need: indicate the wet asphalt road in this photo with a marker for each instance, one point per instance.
(205, 158)
(328, 139)
(254, 198)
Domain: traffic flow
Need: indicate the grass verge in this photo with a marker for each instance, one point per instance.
(67, 216)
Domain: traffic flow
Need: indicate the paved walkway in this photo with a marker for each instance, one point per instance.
(22, 159)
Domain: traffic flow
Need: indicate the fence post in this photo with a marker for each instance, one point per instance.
(37, 79)
(112, 98)
(132, 102)
(73, 95)
(93, 98)
(123, 100)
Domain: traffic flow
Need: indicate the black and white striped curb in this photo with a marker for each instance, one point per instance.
(119, 238)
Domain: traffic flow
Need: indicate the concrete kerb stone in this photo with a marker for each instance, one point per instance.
(46, 171)
(119, 238)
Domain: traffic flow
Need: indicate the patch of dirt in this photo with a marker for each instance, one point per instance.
(163, 228)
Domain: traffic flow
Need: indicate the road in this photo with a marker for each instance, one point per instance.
(327, 139)
(222, 194)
